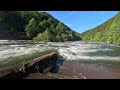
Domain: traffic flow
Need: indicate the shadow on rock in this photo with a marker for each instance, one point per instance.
(57, 65)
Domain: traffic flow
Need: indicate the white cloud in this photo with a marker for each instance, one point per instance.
(71, 13)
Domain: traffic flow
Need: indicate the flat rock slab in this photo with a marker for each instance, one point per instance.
(41, 64)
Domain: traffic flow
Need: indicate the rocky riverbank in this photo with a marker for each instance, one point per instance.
(78, 70)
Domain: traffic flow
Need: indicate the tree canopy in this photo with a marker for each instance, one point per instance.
(37, 25)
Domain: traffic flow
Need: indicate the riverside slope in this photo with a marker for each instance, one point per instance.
(108, 32)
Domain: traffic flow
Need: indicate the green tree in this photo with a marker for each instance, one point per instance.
(45, 36)
(61, 28)
(40, 37)
(59, 38)
(32, 28)
(97, 36)
(48, 35)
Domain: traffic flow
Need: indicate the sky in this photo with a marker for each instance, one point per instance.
(81, 21)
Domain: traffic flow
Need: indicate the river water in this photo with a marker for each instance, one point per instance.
(81, 60)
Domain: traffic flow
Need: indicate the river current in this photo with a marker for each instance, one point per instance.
(98, 57)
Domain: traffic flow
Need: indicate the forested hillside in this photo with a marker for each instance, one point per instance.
(39, 26)
(109, 31)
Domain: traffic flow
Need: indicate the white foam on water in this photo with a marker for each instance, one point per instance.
(77, 50)
(13, 52)
(17, 50)
(83, 52)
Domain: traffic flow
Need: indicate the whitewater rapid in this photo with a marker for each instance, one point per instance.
(77, 50)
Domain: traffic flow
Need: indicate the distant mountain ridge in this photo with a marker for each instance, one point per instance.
(108, 32)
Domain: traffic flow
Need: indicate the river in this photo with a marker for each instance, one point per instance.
(81, 60)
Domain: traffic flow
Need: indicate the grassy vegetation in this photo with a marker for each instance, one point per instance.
(19, 60)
